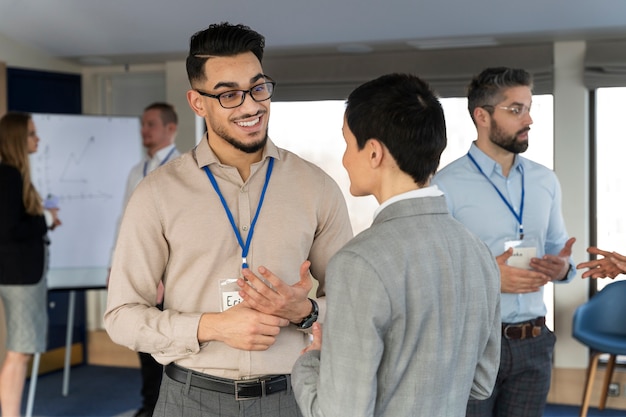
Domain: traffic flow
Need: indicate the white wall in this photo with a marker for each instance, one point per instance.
(19, 55)
(571, 150)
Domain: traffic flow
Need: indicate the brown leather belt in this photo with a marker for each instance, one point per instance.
(525, 330)
(244, 389)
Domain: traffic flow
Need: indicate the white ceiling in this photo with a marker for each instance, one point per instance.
(136, 31)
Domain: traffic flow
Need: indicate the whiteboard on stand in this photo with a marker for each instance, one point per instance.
(84, 161)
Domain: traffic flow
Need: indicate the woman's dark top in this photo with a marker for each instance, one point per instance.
(22, 235)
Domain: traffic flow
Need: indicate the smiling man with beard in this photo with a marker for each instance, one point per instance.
(514, 206)
(233, 203)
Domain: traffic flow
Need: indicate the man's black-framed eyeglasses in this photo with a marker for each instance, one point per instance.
(235, 98)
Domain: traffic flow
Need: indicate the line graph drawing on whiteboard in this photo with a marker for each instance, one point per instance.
(72, 175)
(73, 160)
(84, 161)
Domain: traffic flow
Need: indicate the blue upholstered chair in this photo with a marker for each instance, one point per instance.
(600, 324)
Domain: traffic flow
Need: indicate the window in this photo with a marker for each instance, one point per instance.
(312, 130)
(323, 144)
(610, 178)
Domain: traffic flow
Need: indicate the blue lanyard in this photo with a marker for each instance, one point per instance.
(519, 216)
(145, 165)
(244, 247)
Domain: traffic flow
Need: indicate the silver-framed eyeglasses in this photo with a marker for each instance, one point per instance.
(235, 98)
(516, 110)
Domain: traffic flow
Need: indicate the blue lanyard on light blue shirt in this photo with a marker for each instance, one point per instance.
(244, 247)
(145, 165)
(519, 216)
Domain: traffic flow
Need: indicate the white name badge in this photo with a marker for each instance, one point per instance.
(229, 291)
(523, 251)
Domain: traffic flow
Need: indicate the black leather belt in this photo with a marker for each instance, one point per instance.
(525, 330)
(244, 389)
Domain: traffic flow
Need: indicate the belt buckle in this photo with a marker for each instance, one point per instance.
(237, 397)
(510, 326)
(523, 329)
(262, 381)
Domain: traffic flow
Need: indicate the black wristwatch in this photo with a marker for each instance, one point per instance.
(311, 318)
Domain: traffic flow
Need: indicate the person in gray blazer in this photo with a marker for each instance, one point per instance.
(413, 314)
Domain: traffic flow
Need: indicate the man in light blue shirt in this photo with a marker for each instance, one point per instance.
(514, 206)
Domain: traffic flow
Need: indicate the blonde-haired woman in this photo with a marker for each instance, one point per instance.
(23, 257)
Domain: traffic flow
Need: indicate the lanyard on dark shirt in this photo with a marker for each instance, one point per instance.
(518, 216)
(244, 247)
(145, 164)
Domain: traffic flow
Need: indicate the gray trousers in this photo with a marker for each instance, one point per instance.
(523, 379)
(180, 400)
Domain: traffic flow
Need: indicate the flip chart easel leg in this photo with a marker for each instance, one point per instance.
(68, 341)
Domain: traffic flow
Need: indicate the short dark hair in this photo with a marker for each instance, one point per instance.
(487, 88)
(403, 113)
(168, 113)
(221, 39)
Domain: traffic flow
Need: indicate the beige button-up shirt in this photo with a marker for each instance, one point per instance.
(176, 228)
